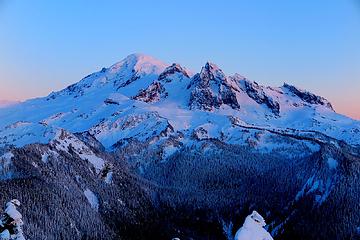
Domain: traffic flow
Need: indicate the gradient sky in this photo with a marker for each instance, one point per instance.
(314, 44)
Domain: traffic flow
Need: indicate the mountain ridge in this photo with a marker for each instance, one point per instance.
(142, 79)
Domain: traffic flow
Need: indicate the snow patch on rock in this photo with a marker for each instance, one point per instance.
(109, 177)
(5, 163)
(92, 198)
(332, 163)
(64, 141)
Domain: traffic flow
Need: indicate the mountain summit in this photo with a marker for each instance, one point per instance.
(139, 63)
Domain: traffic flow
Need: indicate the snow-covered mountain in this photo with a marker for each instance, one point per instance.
(195, 147)
(141, 97)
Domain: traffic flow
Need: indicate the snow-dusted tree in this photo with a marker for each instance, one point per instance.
(253, 228)
(11, 222)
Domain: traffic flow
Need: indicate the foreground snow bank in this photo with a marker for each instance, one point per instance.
(253, 228)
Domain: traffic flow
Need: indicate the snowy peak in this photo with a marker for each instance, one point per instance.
(138, 63)
(119, 75)
(211, 89)
(211, 72)
(134, 67)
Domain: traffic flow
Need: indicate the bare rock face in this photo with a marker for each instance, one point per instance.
(204, 99)
(157, 90)
(132, 79)
(308, 96)
(171, 70)
(257, 93)
(211, 88)
(153, 93)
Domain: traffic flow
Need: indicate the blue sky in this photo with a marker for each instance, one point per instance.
(314, 44)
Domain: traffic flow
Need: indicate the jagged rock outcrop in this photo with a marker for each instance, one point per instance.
(307, 96)
(158, 89)
(257, 93)
(171, 70)
(153, 93)
(211, 88)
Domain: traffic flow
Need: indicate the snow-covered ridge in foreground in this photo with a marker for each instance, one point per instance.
(253, 228)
